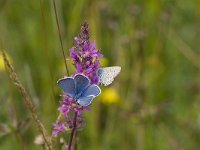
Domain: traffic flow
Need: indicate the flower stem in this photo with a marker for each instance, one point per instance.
(73, 130)
(75, 141)
(59, 33)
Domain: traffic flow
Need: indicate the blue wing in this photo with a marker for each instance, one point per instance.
(99, 72)
(85, 101)
(92, 90)
(67, 85)
(81, 82)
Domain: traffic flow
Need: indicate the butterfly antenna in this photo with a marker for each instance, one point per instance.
(58, 27)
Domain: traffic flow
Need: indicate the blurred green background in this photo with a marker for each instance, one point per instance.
(154, 102)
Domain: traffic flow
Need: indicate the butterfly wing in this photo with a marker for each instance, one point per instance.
(81, 82)
(107, 74)
(92, 90)
(85, 101)
(67, 85)
(87, 96)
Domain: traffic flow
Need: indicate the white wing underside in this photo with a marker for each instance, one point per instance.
(107, 74)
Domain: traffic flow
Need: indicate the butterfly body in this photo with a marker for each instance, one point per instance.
(107, 74)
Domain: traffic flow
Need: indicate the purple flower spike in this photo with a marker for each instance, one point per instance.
(92, 46)
(85, 56)
(79, 109)
(58, 127)
(79, 68)
(66, 104)
(86, 61)
(76, 39)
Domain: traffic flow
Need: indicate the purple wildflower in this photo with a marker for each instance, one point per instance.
(79, 109)
(69, 121)
(58, 127)
(86, 61)
(85, 56)
(66, 104)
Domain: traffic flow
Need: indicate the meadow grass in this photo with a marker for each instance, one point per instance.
(155, 42)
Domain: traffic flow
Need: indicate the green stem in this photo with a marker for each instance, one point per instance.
(73, 130)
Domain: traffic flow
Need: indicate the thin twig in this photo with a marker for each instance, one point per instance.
(75, 115)
(27, 100)
(62, 49)
(75, 140)
(56, 15)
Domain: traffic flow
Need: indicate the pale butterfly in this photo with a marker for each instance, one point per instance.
(106, 75)
(80, 88)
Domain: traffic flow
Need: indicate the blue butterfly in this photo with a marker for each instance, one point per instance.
(80, 88)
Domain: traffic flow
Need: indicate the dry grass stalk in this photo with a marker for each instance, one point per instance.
(27, 100)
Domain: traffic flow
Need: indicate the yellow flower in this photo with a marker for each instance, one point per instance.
(109, 96)
(2, 67)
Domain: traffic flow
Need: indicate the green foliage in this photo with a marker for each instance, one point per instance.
(155, 42)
